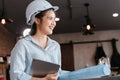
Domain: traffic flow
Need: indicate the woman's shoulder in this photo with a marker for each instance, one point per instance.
(24, 39)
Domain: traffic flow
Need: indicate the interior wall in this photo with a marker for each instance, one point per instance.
(7, 41)
(84, 53)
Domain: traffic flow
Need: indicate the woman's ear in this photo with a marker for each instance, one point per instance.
(37, 21)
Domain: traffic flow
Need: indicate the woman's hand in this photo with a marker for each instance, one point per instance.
(48, 77)
(52, 76)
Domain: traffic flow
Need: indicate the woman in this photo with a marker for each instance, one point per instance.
(41, 16)
(37, 45)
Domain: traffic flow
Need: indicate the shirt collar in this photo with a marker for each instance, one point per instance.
(29, 38)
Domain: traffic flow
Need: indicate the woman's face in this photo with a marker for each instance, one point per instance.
(48, 23)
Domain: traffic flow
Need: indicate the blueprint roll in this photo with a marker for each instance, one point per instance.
(86, 73)
(90, 72)
(64, 75)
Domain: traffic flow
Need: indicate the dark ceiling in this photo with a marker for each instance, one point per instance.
(71, 14)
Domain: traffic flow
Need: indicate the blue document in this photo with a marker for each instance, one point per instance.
(86, 73)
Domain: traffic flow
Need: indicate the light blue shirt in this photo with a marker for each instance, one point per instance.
(25, 51)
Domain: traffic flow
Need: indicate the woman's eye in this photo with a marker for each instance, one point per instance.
(50, 18)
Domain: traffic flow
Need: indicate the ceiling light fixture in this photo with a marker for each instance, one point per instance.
(88, 27)
(115, 15)
(3, 18)
(57, 19)
(26, 32)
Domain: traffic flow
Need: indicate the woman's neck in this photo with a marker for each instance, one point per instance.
(41, 40)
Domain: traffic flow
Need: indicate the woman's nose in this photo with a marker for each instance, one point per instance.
(54, 22)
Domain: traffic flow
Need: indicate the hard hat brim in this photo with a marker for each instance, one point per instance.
(55, 8)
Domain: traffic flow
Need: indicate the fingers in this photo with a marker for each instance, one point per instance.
(52, 76)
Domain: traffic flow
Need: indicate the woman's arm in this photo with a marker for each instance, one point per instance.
(18, 64)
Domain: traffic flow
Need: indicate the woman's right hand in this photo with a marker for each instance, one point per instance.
(52, 76)
(48, 77)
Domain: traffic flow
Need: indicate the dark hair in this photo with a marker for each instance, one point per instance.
(39, 15)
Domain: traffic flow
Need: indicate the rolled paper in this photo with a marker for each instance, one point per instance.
(64, 75)
(86, 73)
(90, 72)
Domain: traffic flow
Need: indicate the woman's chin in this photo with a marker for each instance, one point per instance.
(50, 32)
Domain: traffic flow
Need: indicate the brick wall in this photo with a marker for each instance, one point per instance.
(7, 41)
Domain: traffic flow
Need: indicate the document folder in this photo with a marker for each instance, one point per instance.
(41, 68)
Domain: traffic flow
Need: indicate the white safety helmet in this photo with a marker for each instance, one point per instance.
(35, 7)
